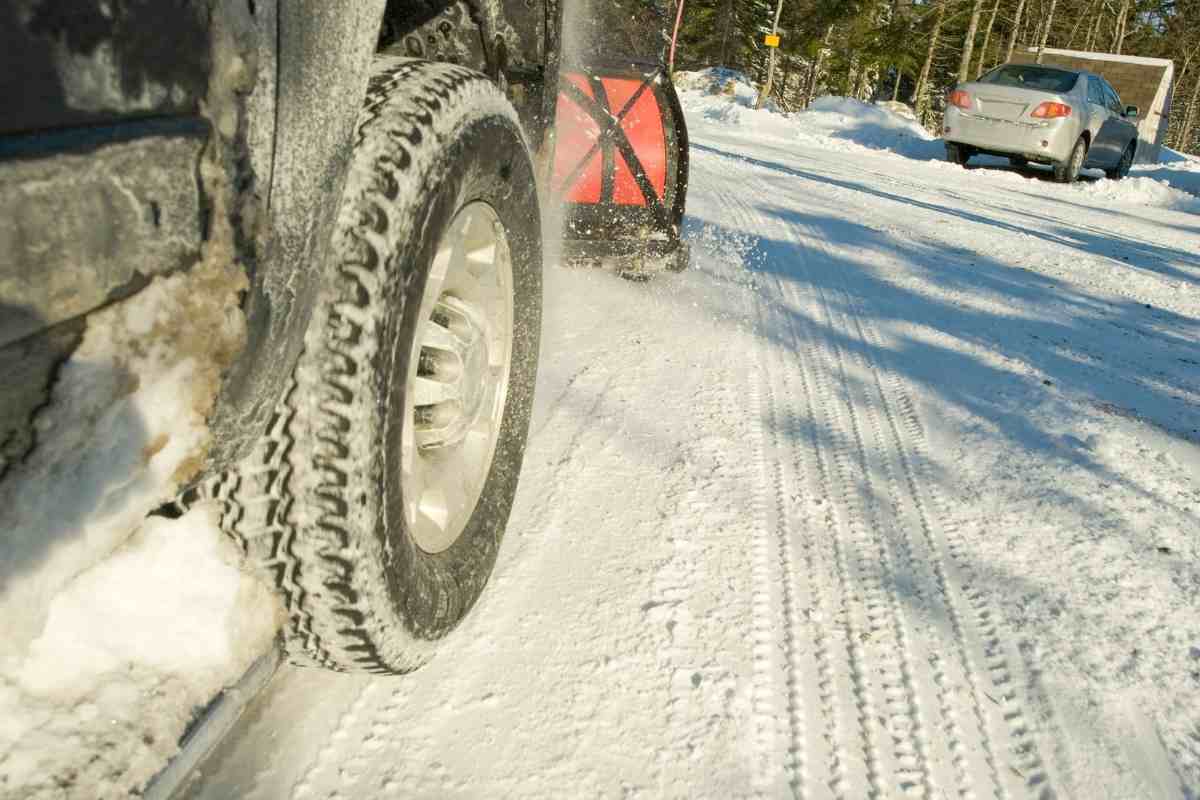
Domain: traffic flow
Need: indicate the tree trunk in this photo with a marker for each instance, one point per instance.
(783, 81)
(1016, 31)
(1118, 40)
(1093, 34)
(987, 38)
(1189, 119)
(815, 72)
(896, 87)
(1086, 16)
(1046, 31)
(923, 81)
(725, 32)
(1177, 140)
(968, 48)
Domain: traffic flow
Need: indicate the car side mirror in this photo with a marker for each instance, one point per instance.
(1131, 112)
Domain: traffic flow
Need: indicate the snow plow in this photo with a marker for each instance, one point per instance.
(621, 148)
(353, 180)
(620, 169)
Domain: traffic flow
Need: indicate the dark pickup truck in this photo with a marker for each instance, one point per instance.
(366, 178)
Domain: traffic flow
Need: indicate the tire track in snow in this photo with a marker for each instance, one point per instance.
(922, 567)
(863, 564)
(798, 764)
(985, 635)
(771, 577)
(885, 649)
(855, 765)
(802, 687)
(329, 756)
(811, 676)
(920, 700)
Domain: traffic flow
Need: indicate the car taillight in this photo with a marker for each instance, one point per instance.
(960, 98)
(1049, 110)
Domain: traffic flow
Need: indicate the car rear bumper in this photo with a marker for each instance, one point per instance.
(1036, 141)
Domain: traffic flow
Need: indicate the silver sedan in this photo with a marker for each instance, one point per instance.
(1069, 119)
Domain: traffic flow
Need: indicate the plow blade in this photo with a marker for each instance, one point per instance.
(621, 168)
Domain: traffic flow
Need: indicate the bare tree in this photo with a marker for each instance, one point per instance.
(1189, 117)
(921, 92)
(1118, 40)
(968, 48)
(814, 72)
(987, 38)
(1016, 30)
(1086, 16)
(1093, 33)
(1046, 31)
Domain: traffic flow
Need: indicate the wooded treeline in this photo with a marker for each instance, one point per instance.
(915, 50)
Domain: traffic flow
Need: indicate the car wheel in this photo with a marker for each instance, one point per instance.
(392, 463)
(1068, 171)
(957, 154)
(1123, 166)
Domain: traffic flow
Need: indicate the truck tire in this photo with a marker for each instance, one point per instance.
(381, 493)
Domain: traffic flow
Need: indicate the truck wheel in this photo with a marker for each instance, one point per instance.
(1123, 166)
(1068, 171)
(403, 431)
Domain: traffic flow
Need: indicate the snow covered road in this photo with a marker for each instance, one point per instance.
(895, 493)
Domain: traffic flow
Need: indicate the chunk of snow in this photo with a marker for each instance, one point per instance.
(124, 428)
(130, 650)
(115, 628)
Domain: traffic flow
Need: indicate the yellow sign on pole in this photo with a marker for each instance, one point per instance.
(772, 40)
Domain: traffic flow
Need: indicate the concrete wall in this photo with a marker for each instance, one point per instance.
(1142, 82)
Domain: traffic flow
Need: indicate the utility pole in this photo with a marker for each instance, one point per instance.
(766, 92)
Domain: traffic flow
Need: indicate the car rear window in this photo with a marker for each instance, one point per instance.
(1032, 77)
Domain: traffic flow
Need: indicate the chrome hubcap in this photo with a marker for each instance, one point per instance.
(458, 378)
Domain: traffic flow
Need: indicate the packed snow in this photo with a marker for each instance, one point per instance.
(894, 492)
(114, 628)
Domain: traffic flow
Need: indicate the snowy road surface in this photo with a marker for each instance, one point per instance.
(895, 493)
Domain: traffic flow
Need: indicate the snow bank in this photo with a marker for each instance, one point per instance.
(124, 428)
(1155, 188)
(845, 121)
(131, 649)
(726, 97)
(103, 662)
(1176, 170)
(840, 123)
